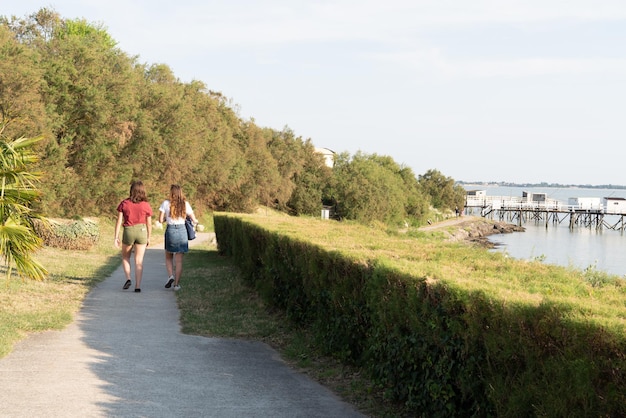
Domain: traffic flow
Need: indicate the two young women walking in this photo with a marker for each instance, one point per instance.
(135, 222)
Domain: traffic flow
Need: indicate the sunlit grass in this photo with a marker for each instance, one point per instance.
(215, 301)
(30, 306)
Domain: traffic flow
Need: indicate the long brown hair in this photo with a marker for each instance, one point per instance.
(137, 192)
(178, 208)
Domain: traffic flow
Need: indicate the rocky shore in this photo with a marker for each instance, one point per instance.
(473, 229)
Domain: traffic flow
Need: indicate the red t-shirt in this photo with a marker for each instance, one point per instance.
(134, 213)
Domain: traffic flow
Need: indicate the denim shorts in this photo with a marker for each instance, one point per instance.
(176, 239)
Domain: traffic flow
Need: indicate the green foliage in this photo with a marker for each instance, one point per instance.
(89, 94)
(442, 190)
(68, 234)
(310, 183)
(371, 188)
(81, 28)
(21, 106)
(598, 278)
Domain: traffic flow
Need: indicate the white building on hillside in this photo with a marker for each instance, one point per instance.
(329, 156)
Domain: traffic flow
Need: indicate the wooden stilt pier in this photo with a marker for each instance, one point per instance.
(546, 213)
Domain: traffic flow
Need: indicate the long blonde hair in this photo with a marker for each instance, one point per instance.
(178, 208)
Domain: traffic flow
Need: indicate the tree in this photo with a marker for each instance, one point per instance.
(18, 193)
(90, 97)
(21, 105)
(258, 178)
(311, 182)
(442, 190)
(366, 189)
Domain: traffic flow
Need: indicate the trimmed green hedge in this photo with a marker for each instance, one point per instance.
(434, 326)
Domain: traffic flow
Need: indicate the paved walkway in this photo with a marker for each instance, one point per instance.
(124, 356)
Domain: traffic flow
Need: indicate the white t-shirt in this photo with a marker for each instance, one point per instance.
(165, 208)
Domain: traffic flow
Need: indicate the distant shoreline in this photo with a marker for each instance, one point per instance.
(542, 185)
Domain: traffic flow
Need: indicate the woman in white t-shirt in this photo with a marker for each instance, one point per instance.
(173, 212)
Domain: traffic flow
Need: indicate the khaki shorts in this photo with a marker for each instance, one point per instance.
(136, 234)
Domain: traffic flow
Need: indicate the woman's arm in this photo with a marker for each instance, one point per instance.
(118, 227)
(149, 227)
(191, 214)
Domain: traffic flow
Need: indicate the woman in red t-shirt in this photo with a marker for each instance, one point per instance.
(135, 215)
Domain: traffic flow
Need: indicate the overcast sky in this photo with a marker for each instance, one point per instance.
(522, 91)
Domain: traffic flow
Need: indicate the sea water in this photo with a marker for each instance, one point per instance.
(581, 247)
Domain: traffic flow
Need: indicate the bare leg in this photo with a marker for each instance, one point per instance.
(126, 252)
(169, 259)
(179, 267)
(140, 251)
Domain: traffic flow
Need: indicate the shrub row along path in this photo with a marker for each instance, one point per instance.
(124, 356)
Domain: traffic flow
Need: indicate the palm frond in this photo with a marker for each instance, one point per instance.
(26, 266)
(18, 192)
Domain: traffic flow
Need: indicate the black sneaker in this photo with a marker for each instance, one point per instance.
(170, 280)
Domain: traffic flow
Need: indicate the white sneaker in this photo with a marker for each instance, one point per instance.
(176, 287)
